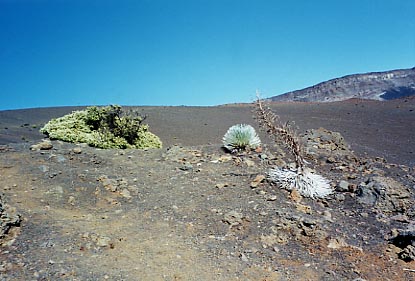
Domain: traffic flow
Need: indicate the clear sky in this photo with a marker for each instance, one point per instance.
(192, 52)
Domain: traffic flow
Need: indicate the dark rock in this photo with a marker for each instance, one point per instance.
(408, 254)
(404, 237)
(8, 219)
(366, 195)
(386, 194)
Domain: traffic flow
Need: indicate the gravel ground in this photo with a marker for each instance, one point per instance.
(384, 129)
(192, 211)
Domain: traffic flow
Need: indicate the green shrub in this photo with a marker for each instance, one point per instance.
(103, 127)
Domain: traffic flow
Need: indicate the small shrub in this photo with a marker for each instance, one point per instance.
(241, 137)
(103, 127)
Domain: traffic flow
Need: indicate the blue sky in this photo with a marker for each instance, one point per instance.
(191, 52)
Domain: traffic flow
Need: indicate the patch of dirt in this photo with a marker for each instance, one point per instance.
(199, 213)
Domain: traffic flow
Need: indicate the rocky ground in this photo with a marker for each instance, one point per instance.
(196, 212)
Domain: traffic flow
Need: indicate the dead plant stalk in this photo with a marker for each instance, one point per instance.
(278, 130)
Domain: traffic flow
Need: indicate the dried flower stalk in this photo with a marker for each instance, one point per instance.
(302, 179)
(278, 130)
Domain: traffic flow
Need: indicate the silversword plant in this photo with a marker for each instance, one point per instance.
(305, 182)
(301, 178)
(241, 137)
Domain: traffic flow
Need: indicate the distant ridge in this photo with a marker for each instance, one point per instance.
(374, 85)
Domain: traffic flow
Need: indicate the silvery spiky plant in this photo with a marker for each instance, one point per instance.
(307, 183)
(241, 137)
(302, 179)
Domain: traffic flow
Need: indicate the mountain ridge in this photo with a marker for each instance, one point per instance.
(384, 85)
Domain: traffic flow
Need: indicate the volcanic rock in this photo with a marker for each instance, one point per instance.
(375, 85)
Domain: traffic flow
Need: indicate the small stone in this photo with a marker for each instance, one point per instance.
(43, 145)
(342, 186)
(394, 232)
(60, 158)
(352, 176)
(272, 198)
(233, 218)
(244, 258)
(225, 158)
(258, 179)
(103, 241)
(125, 193)
(339, 197)
(295, 196)
(400, 218)
(336, 243)
(109, 184)
(58, 189)
(249, 163)
(44, 168)
(71, 200)
(5, 266)
(186, 167)
(327, 216)
(221, 185)
(263, 156)
(404, 168)
(331, 160)
(133, 189)
(77, 150)
(304, 208)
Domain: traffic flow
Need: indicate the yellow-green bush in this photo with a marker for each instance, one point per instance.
(103, 127)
